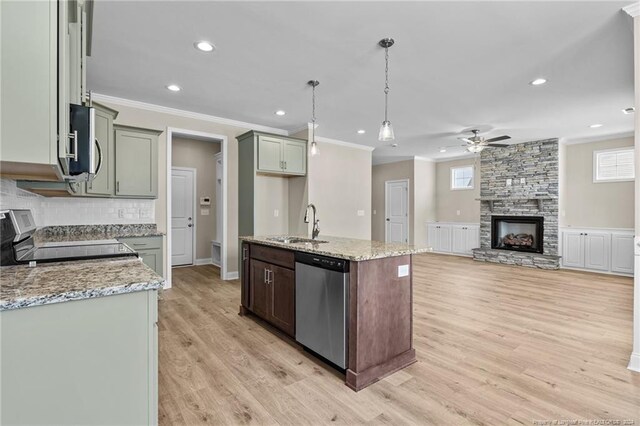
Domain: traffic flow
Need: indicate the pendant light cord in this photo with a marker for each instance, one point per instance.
(386, 81)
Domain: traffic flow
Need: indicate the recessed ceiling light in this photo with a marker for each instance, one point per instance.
(443, 149)
(174, 87)
(538, 81)
(394, 145)
(361, 132)
(595, 126)
(204, 46)
(279, 112)
(629, 110)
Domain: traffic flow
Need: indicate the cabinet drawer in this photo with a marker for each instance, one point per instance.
(273, 255)
(142, 243)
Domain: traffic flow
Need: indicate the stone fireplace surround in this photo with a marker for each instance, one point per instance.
(537, 162)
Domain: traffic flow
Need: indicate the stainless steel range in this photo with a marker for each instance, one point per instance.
(17, 245)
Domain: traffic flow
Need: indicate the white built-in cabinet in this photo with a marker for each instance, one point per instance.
(454, 238)
(598, 250)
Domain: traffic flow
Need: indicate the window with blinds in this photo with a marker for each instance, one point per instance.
(613, 165)
(462, 177)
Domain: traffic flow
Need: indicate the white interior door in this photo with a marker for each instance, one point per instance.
(182, 224)
(397, 211)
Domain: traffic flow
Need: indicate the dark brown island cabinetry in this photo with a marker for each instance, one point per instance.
(268, 286)
(380, 299)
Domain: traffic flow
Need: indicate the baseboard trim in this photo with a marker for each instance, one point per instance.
(634, 362)
(593, 271)
(449, 253)
(203, 261)
(232, 276)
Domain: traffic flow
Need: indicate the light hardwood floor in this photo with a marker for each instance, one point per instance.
(495, 344)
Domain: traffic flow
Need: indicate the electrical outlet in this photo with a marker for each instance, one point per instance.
(523, 180)
(509, 182)
(360, 212)
(204, 212)
(374, 212)
(403, 271)
(121, 213)
(276, 213)
(458, 212)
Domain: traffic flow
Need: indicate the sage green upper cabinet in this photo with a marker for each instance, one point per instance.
(294, 154)
(280, 155)
(28, 129)
(104, 181)
(136, 162)
(269, 154)
(43, 51)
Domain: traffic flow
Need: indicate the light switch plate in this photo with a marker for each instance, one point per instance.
(360, 212)
(276, 213)
(509, 182)
(204, 212)
(523, 180)
(458, 212)
(403, 271)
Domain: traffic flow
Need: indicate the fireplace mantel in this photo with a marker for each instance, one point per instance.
(540, 200)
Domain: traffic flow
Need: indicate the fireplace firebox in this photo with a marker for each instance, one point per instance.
(518, 233)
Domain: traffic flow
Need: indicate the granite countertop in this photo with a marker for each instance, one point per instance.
(56, 234)
(23, 286)
(343, 248)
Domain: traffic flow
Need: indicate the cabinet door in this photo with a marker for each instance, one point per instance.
(258, 286)
(282, 291)
(596, 250)
(444, 238)
(294, 155)
(153, 259)
(136, 164)
(269, 154)
(432, 236)
(104, 182)
(245, 277)
(458, 239)
(572, 249)
(473, 238)
(622, 253)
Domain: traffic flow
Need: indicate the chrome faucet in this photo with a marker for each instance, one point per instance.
(316, 222)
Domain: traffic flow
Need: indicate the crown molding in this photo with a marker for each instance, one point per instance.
(465, 156)
(377, 161)
(343, 143)
(187, 114)
(633, 9)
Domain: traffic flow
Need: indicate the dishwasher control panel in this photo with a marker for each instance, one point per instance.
(324, 262)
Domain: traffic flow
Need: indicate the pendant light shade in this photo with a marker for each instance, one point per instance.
(386, 131)
(314, 145)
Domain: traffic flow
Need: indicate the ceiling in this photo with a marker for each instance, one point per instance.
(455, 66)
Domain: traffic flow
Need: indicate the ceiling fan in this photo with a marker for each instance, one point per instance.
(477, 143)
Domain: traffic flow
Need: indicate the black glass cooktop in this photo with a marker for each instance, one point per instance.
(79, 252)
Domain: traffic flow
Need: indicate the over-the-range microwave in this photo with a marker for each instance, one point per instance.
(82, 162)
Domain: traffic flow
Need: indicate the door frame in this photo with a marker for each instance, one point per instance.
(195, 211)
(386, 197)
(211, 137)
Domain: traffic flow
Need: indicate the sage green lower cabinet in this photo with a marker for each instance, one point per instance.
(149, 249)
(136, 162)
(91, 361)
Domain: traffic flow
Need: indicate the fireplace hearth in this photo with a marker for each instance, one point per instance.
(517, 233)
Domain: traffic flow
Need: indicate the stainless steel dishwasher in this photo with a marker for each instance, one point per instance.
(322, 306)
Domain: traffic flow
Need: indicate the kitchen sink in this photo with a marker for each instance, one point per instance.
(296, 240)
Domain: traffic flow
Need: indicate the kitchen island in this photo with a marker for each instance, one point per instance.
(379, 297)
(79, 343)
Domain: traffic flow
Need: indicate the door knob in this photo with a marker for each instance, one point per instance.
(388, 220)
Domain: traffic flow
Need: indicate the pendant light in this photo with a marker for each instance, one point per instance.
(314, 144)
(386, 131)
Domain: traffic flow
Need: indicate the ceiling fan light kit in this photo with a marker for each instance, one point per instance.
(477, 143)
(314, 145)
(386, 130)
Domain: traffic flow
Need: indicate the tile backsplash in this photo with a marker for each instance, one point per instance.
(49, 211)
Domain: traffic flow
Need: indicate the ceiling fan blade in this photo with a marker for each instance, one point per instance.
(498, 138)
(496, 145)
(467, 140)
